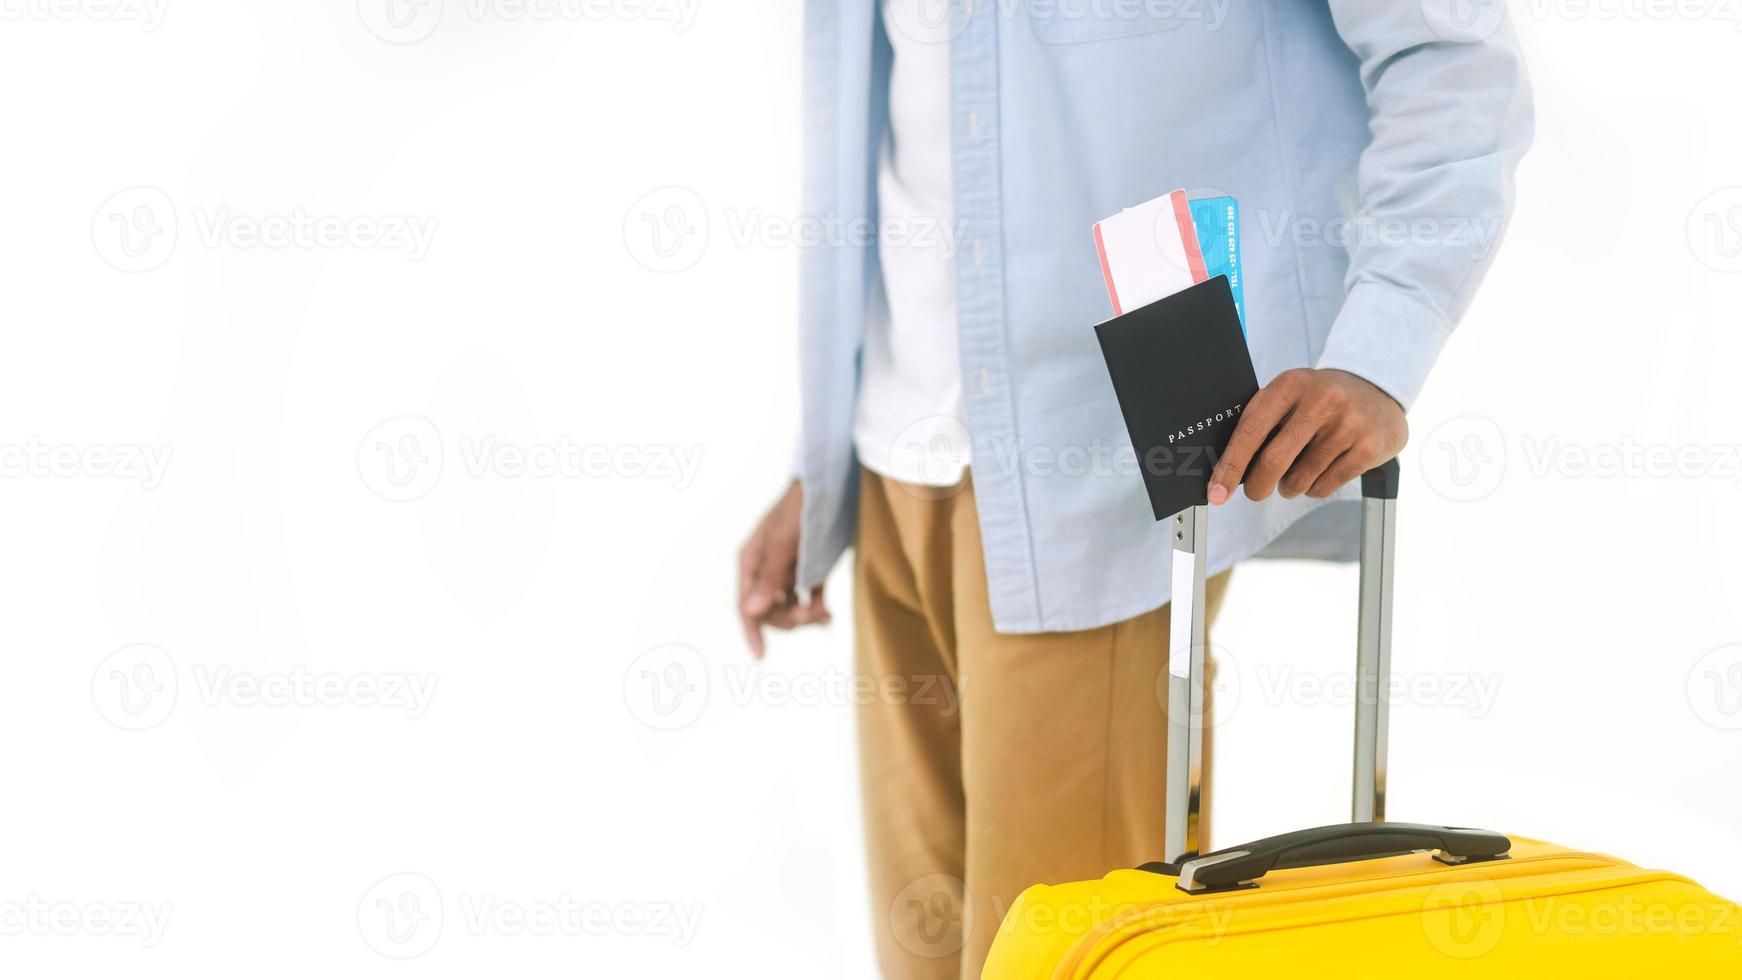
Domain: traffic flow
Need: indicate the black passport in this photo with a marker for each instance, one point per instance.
(1183, 375)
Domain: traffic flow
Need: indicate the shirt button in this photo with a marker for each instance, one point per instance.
(973, 125)
(985, 382)
(979, 253)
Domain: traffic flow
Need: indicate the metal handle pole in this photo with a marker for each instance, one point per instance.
(1373, 658)
(1183, 833)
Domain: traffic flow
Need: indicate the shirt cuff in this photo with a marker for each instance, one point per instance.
(1387, 338)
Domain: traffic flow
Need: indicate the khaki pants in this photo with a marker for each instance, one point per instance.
(991, 762)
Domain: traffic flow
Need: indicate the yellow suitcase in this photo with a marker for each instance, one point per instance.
(1363, 899)
(1544, 912)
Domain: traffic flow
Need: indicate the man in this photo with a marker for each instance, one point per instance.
(959, 423)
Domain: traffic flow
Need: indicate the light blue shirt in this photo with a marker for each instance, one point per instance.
(1371, 145)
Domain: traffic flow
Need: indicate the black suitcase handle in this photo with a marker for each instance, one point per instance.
(1241, 867)
(1380, 482)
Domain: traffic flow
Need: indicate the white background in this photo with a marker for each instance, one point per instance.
(301, 388)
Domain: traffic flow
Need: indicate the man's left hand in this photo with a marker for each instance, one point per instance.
(1309, 431)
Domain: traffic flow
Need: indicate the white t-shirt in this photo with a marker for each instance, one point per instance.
(908, 424)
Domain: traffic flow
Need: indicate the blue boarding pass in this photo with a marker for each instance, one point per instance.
(1218, 226)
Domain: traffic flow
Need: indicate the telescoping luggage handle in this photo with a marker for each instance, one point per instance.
(1184, 836)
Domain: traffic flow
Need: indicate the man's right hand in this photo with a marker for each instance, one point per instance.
(768, 572)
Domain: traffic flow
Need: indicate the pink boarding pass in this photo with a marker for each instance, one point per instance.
(1149, 252)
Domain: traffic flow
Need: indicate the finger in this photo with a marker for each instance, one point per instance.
(752, 633)
(749, 559)
(770, 582)
(786, 616)
(808, 613)
(766, 583)
(800, 613)
(815, 611)
(1279, 454)
(1347, 467)
(1267, 408)
(780, 616)
(1326, 448)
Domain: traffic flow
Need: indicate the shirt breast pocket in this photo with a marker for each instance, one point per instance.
(1078, 21)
